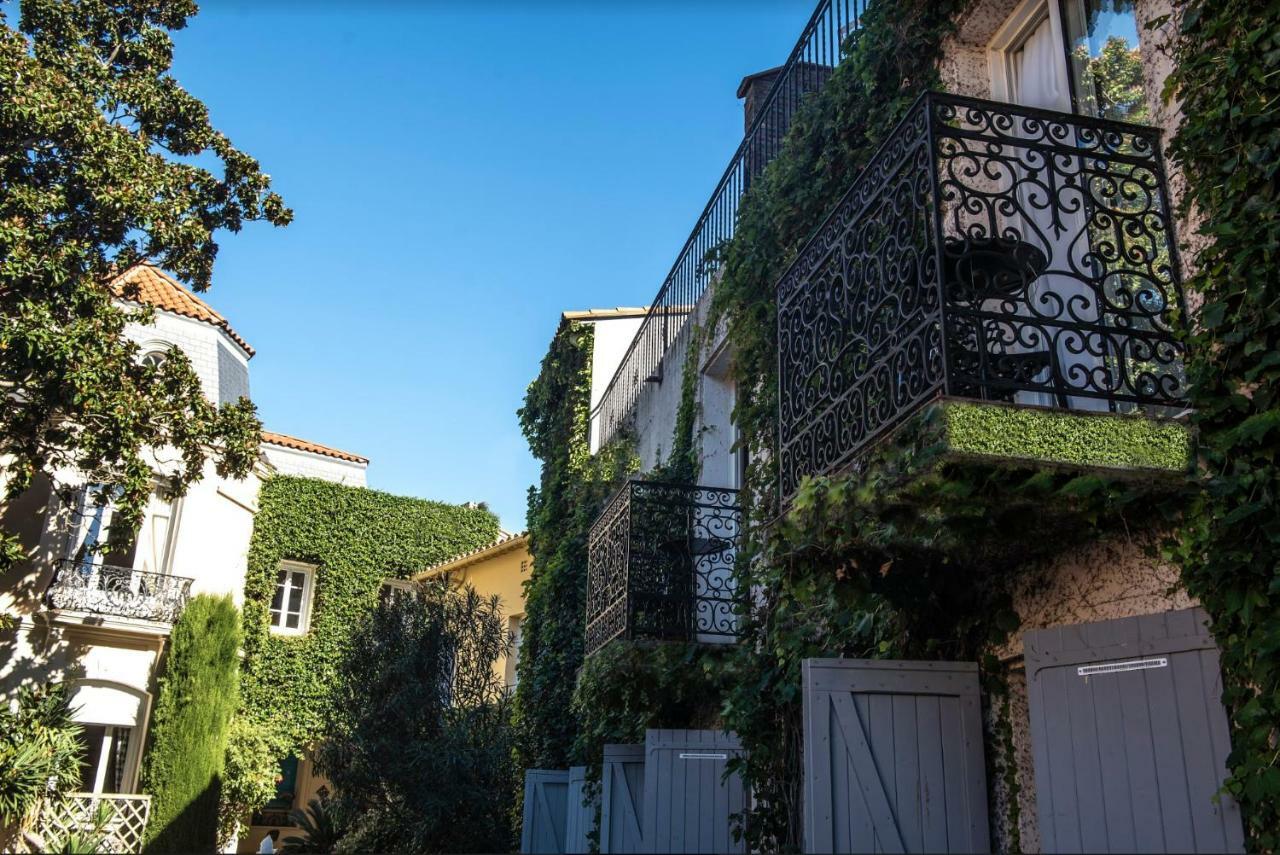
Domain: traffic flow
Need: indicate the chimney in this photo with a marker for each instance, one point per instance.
(754, 88)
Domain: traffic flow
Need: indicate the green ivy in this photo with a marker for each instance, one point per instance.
(574, 486)
(1227, 56)
(356, 538)
(1068, 438)
(196, 700)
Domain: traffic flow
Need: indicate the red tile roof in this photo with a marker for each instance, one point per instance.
(286, 441)
(147, 284)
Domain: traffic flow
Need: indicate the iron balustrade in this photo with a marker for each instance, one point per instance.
(819, 49)
(103, 589)
(986, 251)
(660, 565)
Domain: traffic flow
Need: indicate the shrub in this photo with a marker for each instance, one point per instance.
(197, 696)
(40, 748)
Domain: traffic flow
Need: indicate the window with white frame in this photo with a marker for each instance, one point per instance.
(394, 590)
(515, 626)
(291, 605)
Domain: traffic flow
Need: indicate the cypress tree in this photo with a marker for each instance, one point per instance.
(197, 696)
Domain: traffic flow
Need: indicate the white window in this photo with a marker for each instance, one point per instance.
(291, 605)
(393, 590)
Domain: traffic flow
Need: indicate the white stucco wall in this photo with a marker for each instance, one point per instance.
(221, 364)
(612, 338)
(289, 461)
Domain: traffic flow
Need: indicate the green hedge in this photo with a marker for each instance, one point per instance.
(196, 699)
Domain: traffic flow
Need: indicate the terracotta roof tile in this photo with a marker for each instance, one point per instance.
(156, 288)
(457, 562)
(296, 444)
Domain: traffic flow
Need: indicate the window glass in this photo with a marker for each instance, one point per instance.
(1106, 69)
(289, 603)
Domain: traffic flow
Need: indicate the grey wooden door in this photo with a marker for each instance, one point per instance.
(545, 800)
(580, 815)
(688, 803)
(1129, 736)
(893, 757)
(622, 799)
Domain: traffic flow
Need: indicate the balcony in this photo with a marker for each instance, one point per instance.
(819, 49)
(1019, 258)
(660, 565)
(118, 592)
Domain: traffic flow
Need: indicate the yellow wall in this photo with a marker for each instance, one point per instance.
(504, 575)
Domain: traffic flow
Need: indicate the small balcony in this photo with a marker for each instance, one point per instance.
(1022, 259)
(660, 565)
(118, 592)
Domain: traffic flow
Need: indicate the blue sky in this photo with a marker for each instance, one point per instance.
(460, 174)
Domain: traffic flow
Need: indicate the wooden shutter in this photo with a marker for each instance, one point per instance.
(545, 802)
(622, 801)
(1130, 737)
(893, 758)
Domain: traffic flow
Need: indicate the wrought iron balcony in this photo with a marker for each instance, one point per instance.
(660, 565)
(101, 589)
(986, 251)
(817, 52)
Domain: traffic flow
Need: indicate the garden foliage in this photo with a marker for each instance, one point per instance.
(197, 695)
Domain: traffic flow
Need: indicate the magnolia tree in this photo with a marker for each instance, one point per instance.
(99, 148)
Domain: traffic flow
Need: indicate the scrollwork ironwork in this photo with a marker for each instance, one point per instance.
(989, 251)
(103, 589)
(660, 565)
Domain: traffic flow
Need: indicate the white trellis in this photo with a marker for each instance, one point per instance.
(125, 820)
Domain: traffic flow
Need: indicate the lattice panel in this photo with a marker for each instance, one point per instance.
(126, 819)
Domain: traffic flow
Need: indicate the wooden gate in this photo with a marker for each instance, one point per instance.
(580, 815)
(622, 800)
(545, 801)
(1130, 737)
(689, 803)
(893, 758)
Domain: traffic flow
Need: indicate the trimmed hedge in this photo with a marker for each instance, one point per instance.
(1102, 440)
(197, 697)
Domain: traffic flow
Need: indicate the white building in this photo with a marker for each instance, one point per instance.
(100, 621)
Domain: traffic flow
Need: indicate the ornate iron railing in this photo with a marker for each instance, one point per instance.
(119, 820)
(819, 49)
(986, 251)
(660, 565)
(103, 589)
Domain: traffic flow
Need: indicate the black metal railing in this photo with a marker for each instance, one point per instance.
(986, 251)
(103, 589)
(660, 565)
(819, 49)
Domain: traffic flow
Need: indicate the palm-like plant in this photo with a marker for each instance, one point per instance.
(40, 750)
(322, 825)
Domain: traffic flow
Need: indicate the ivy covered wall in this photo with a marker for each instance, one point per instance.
(355, 537)
(1227, 56)
(574, 484)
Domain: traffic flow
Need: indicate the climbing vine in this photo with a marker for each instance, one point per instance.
(356, 538)
(574, 485)
(1227, 57)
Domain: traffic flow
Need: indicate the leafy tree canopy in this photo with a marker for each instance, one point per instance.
(100, 153)
(419, 747)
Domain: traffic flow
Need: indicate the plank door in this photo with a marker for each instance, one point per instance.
(688, 802)
(545, 801)
(622, 799)
(893, 758)
(1129, 736)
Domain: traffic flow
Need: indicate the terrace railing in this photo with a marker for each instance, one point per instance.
(986, 251)
(819, 49)
(102, 589)
(660, 565)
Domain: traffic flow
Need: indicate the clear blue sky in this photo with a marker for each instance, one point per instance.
(460, 174)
